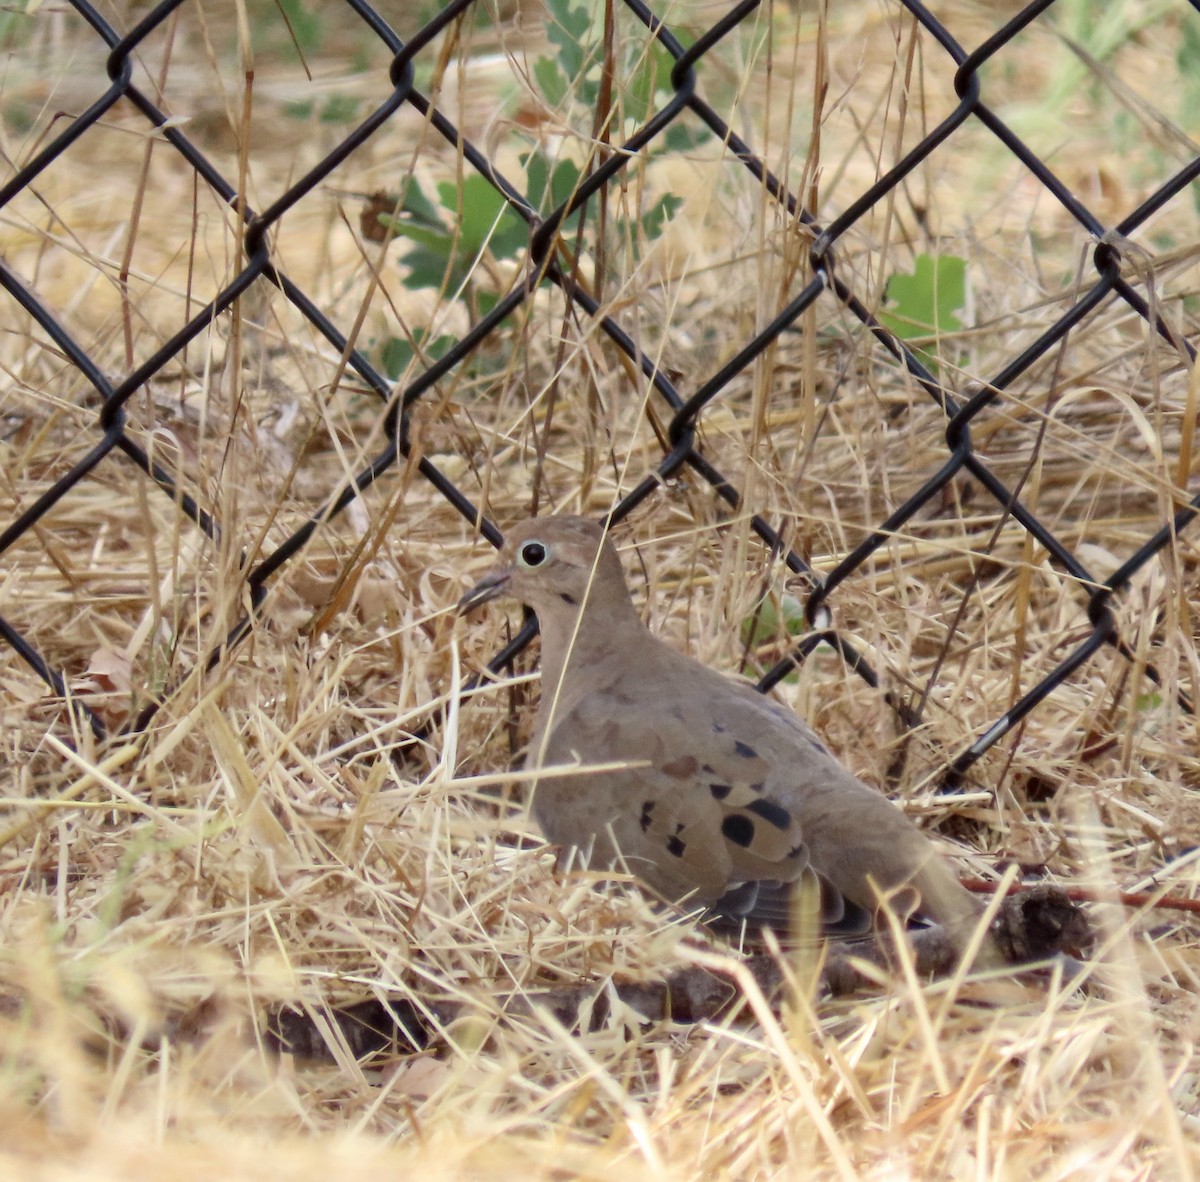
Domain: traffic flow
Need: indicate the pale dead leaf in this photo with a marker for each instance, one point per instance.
(109, 672)
(107, 686)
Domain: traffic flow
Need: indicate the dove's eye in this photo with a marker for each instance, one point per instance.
(532, 554)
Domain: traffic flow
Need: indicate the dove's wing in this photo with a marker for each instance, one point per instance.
(730, 798)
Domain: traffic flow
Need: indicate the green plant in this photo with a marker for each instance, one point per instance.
(1187, 57)
(447, 251)
(573, 74)
(774, 616)
(396, 353)
(923, 306)
(336, 109)
(449, 240)
(455, 236)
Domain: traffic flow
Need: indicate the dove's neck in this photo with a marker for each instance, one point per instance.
(585, 651)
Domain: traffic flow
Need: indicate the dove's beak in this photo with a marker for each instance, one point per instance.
(490, 587)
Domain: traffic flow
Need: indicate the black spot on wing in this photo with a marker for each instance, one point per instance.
(744, 750)
(647, 812)
(676, 846)
(739, 829)
(720, 791)
(568, 599)
(770, 812)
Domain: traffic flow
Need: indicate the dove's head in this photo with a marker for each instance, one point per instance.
(558, 566)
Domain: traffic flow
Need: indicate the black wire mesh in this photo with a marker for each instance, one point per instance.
(1117, 275)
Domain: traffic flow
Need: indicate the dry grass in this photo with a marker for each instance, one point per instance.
(261, 844)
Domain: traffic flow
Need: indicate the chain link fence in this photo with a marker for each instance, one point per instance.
(832, 292)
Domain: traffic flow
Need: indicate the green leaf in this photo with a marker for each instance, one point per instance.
(485, 218)
(661, 212)
(432, 238)
(396, 354)
(475, 213)
(680, 137)
(1187, 58)
(299, 109)
(419, 207)
(651, 74)
(442, 254)
(564, 180)
(571, 31)
(431, 267)
(305, 26)
(1187, 55)
(340, 108)
(550, 81)
(567, 28)
(537, 171)
(774, 616)
(511, 236)
(925, 304)
(547, 188)
(419, 221)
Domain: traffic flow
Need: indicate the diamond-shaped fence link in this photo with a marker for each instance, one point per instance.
(409, 73)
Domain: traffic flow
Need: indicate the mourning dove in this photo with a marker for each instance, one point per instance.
(729, 799)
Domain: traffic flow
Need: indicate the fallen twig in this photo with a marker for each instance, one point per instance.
(1087, 895)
